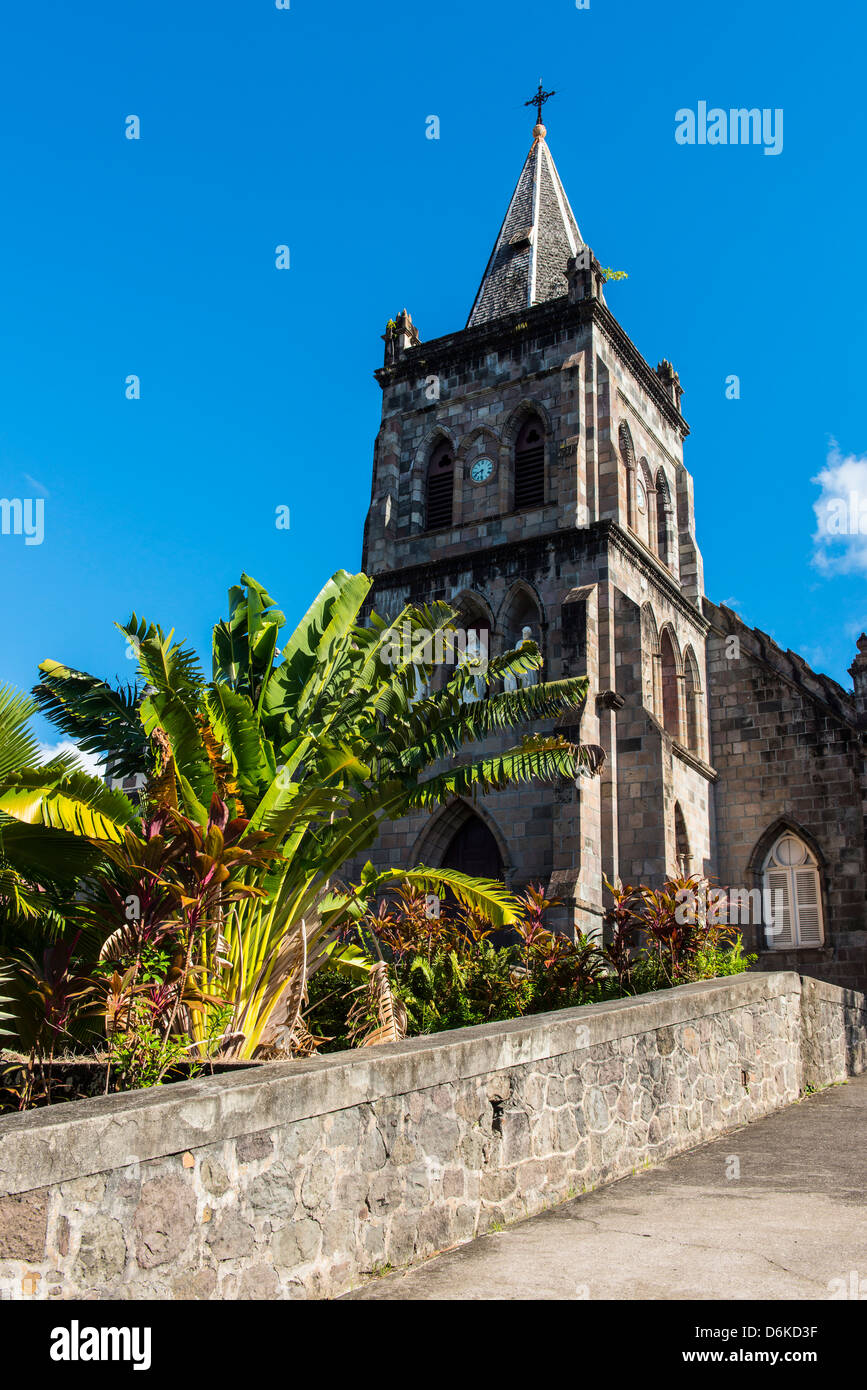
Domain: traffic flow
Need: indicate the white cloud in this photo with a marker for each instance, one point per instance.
(816, 657)
(840, 538)
(88, 762)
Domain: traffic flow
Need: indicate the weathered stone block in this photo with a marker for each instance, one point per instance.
(272, 1193)
(195, 1284)
(318, 1184)
(22, 1226)
(230, 1236)
(297, 1244)
(214, 1177)
(101, 1253)
(164, 1221)
(251, 1147)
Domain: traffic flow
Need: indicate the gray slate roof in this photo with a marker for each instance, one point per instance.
(539, 234)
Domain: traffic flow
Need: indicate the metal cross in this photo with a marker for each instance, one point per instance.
(539, 99)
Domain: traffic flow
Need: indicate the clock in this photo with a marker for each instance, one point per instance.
(641, 496)
(481, 470)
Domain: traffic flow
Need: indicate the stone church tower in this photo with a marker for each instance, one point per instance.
(529, 469)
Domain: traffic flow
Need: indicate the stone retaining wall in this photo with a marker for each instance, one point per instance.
(297, 1179)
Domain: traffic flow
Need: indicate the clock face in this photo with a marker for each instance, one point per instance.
(481, 470)
(641, 496)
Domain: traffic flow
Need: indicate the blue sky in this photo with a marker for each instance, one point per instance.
(306, 127)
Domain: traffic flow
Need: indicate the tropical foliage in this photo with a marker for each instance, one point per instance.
(448, 971)
(208, 908)
(49, 813)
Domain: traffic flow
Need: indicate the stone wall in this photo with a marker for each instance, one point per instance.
(296, 1180)
(788, 751)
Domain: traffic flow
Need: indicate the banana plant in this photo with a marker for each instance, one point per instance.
(317, 745)
(270, 951)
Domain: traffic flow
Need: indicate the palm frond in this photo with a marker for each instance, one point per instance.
(102, 719)
(544, 758)
(40, 853)
(19, 748)
(168, 666)
(377, 1016)
(457, 723)
(8, 1000)
(233, 720)
(482, 895)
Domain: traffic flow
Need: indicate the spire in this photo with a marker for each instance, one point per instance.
(537, 238)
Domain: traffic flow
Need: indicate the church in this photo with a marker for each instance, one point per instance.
(530, 471)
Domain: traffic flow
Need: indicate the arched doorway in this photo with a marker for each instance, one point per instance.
(473, 850)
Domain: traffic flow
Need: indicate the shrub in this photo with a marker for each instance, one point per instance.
(446, 972)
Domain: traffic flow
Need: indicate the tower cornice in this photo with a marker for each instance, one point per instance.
(597, 536)
(434, 356)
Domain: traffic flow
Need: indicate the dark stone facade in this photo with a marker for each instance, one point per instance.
(716, 741)
(789, 751)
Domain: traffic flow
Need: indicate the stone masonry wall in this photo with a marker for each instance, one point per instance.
(296, 1180)
(787, 749)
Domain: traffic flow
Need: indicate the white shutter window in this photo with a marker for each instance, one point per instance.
(791, 878)
(778, 925)
(808, 907)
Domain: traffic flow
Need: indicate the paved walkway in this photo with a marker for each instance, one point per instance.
(794, 1220)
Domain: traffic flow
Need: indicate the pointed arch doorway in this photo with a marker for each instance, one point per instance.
(473, 850)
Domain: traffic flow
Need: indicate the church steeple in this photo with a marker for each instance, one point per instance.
(537, 238)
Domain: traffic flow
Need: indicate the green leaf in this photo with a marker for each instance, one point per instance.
(348, 960)
(233, 720)
(79, 804)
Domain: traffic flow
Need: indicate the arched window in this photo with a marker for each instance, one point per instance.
(693, 702)
(670, 686)
(645, 500)
(530, 464)
(792, 899)
(681, 842)
(473, 647)
(473, 850)
(627, 453)
(440, 487)
(664, 520)
(650, 661)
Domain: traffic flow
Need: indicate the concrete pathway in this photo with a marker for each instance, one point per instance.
(792, 1222)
